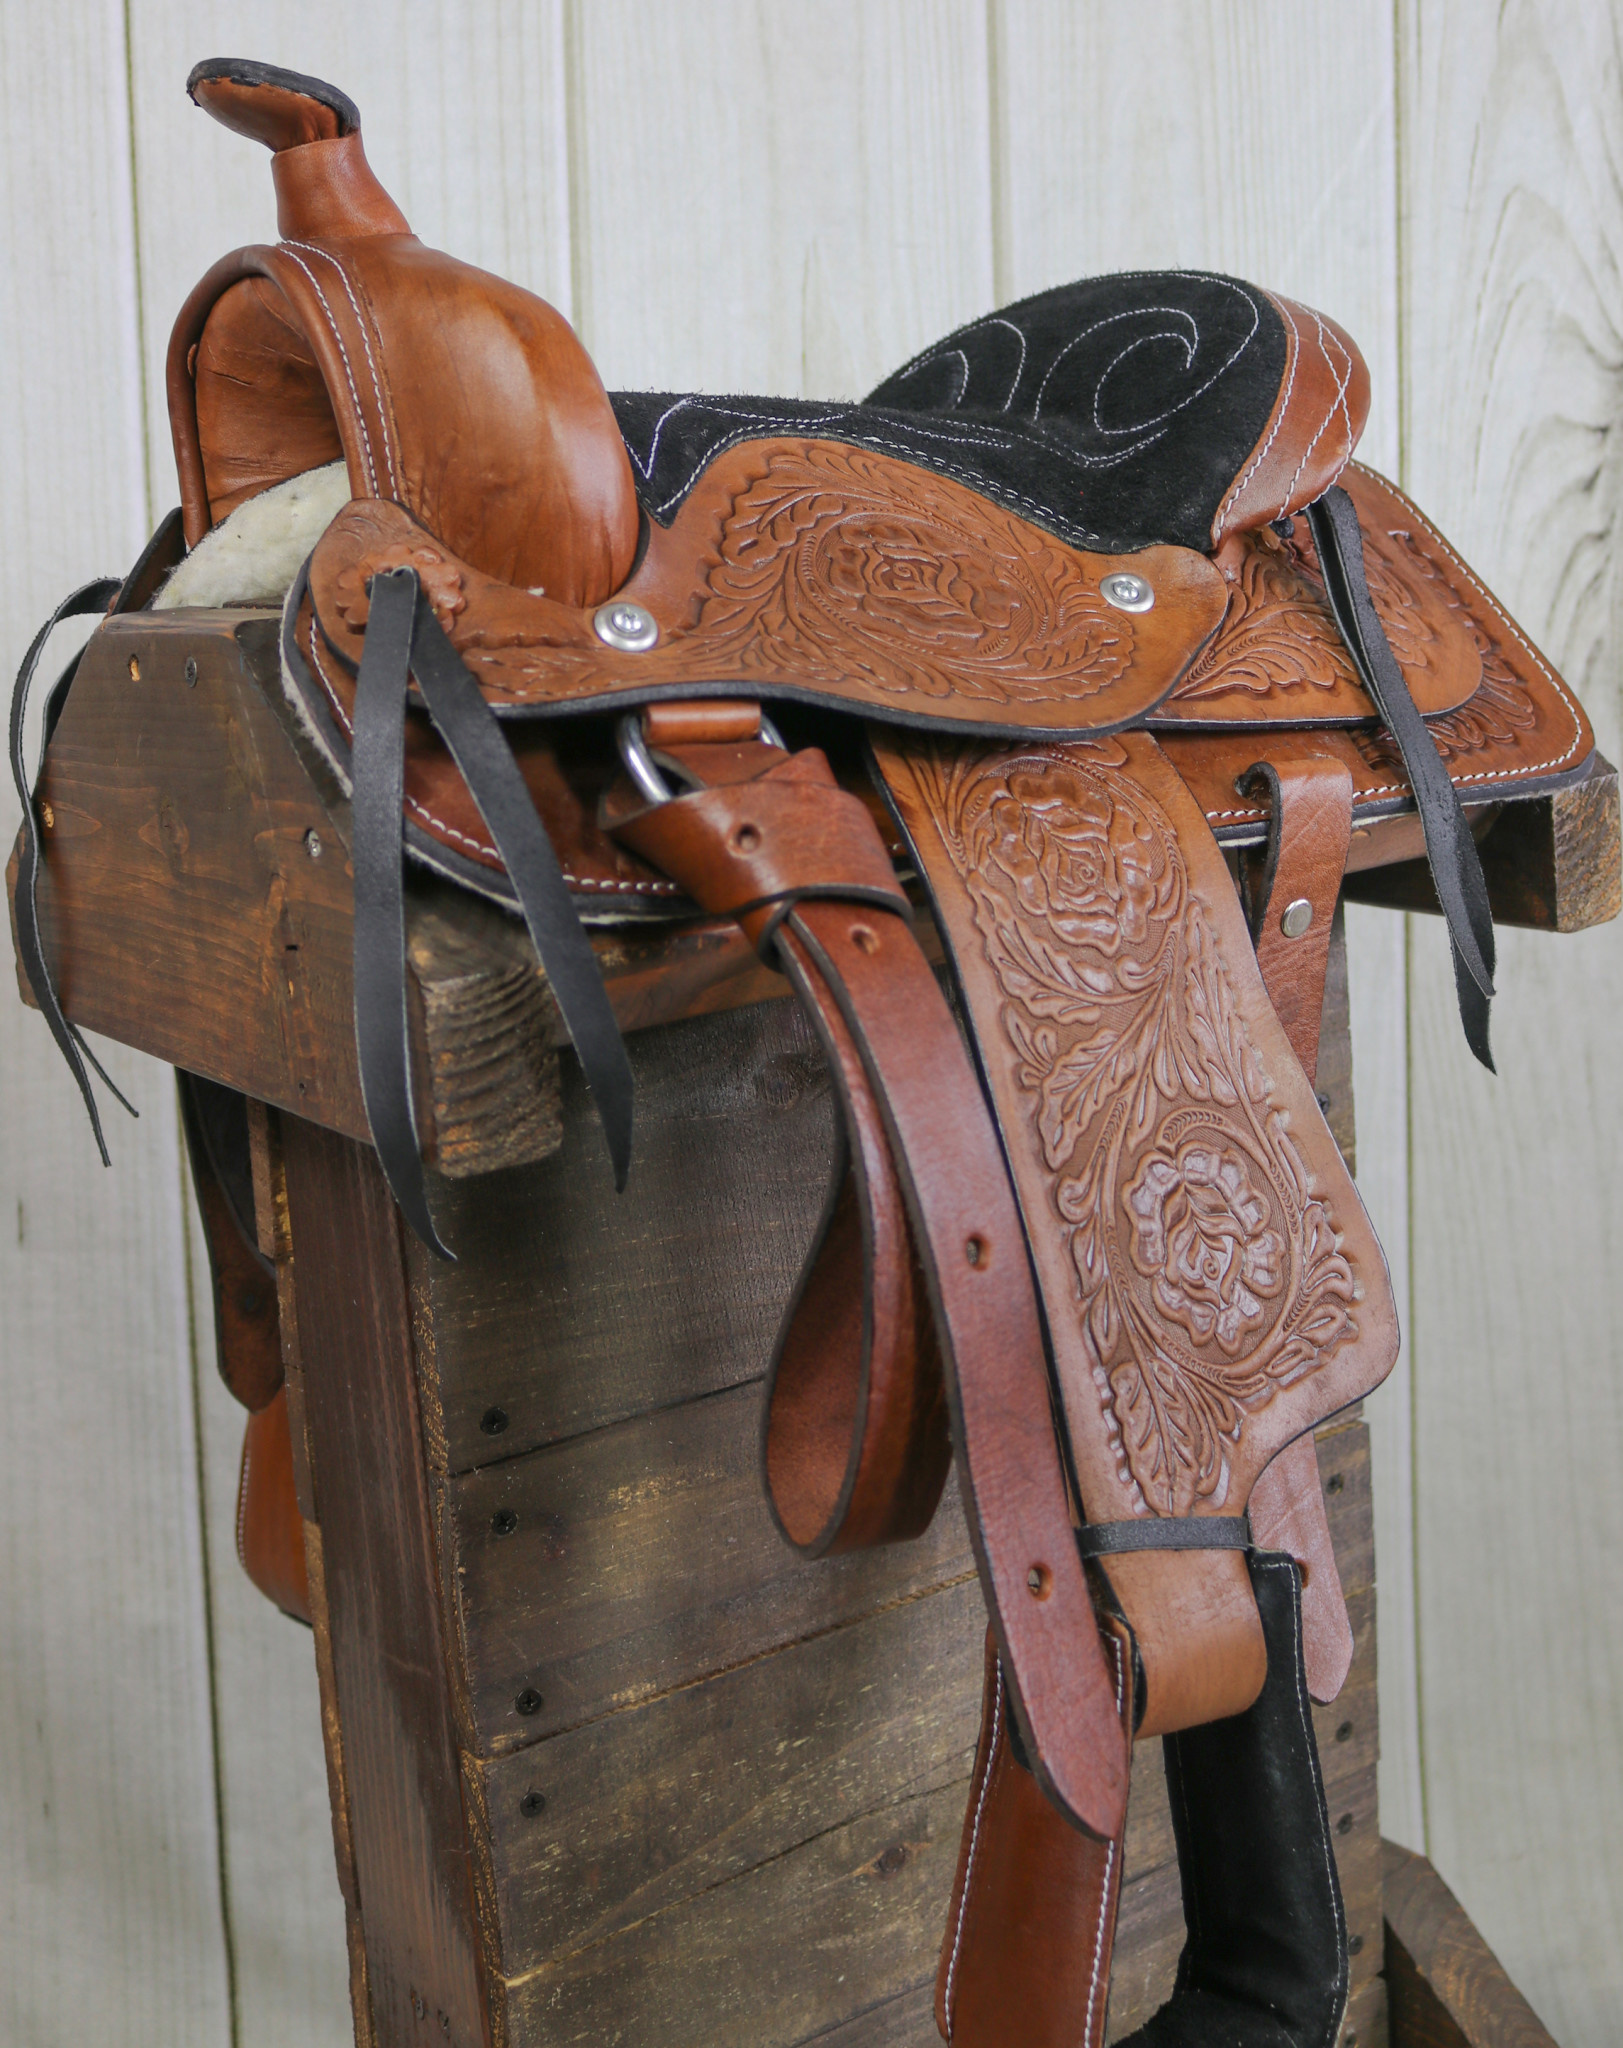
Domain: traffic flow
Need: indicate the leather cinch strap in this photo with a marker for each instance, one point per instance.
(801, 866)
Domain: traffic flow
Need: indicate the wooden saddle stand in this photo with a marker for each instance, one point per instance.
(1029, 719)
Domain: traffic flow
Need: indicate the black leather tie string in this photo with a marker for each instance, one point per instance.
(411, 642)
(91, 597)
(1165, 1532)
(1456, 866)
(382, 1022)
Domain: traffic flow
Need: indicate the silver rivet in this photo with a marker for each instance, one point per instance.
(1298, 916)
(625, 625)
(312, 843)
(1128, 593)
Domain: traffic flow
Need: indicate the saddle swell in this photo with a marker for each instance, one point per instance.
(1084, 589)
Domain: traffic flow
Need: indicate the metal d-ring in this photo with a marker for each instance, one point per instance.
(644, 769)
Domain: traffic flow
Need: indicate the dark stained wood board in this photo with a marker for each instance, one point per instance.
(1448, 1989)
(572, 1306)
(389, 1676)
(602, 1571)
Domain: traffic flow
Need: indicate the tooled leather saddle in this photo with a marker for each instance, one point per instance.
(1079, 620)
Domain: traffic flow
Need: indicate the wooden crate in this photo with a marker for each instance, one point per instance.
(708, 1792)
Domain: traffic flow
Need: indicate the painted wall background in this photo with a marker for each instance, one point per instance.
(791, 197)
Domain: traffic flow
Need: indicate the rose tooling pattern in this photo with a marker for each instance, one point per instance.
(949, 596)
(1208, 1274)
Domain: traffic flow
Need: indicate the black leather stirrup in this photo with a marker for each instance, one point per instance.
(1456, 866)
(1265, 1961)
(90, 597)
(403, 638)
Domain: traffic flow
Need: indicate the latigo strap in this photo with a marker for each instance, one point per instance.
(802, 867)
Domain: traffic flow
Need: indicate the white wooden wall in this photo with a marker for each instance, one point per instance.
(791, 196)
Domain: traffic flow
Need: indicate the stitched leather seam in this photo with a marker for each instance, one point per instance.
(1104, 1893)
(1323, 1815)
(1279, 419)
(974, 1845)
(443, 825)
(311, 249)
(349, 374)
(242, 1510)
(1337, 404)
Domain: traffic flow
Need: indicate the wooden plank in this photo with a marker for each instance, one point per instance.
(196, 844)
(110, 1876)
(646, 1809)
(1448, 1988)
(1551, 863)
(539, 1335)
(390, 1679)
(767, 1959)
(599, 1572)
(806, 209)
(1513, 302)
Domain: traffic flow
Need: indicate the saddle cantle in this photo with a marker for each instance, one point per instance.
(1086, 593)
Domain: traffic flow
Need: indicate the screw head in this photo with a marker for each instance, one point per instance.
(493, 1421)
(529, 1701)
(191, 672)
(531, 1804)
(1296, 918)
(1344, 1826)
(1127, 592)
(625, 625)
(503, 1522)
(312, 843)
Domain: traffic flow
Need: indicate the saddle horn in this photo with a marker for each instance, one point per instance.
(350, 338)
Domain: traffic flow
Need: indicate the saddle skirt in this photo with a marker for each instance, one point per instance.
(1084, 598)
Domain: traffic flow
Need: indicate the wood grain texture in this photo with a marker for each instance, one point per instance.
(1448, 1989)
(539, 1336)
(381, 1576)
(1513, 312)
(591, 1573)
(111, 1921)
(776, 198)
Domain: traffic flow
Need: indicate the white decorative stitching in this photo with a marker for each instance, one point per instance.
(1104, 1894)
(1298, 1673)
(349, 375)
(974, 1844)
(1279, 418)
(1337, 404)
(311, 249)
(449, 831)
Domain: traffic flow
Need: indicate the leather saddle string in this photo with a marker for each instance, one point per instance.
(403, 638)
(800, 864)
(1456, 866)
(89, 598)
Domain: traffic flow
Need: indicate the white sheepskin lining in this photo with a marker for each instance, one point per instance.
(253, 557)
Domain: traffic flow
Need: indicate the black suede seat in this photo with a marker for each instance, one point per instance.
(1115, 412)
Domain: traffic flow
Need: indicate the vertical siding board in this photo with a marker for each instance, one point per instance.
(109, 1883)
(777, 198)
(1513, 319)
